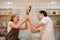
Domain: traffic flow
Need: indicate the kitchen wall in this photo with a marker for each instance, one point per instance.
(36, 5)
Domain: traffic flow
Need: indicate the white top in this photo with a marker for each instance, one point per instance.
(47, 32)
(9, 27)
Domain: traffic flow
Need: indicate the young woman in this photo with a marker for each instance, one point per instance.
(13, 28)
(47, 31)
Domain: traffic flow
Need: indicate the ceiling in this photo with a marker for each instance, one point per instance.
(24, 1)
(34, 3)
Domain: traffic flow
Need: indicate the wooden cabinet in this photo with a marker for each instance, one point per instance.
(5, 15)
(54, 14)
(56, 19)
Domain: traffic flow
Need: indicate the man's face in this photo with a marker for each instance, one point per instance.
(40, 16)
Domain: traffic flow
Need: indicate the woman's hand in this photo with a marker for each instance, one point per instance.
(25, 13)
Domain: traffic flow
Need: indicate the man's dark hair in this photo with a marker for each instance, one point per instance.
(43, 12)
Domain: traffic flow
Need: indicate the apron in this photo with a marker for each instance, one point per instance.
(13, 34)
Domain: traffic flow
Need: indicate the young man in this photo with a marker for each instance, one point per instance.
(47, 31)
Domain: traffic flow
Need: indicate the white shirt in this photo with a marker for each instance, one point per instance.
(9, 27)
(47, 32)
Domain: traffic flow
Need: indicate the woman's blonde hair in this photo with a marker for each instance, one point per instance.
(13, 17)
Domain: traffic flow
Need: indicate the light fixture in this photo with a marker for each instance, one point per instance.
(9, 2)
(53, 2)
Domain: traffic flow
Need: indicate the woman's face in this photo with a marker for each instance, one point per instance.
(16, 18)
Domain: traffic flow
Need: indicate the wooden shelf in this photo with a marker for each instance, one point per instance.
(53, 14)
(57, 25)
(5, 15)
(53, 9)
(3, 27)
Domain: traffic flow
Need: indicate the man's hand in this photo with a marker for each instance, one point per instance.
(27, 17)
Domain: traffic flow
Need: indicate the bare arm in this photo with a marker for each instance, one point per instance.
(31, 21)
(25, 27)
(33, 29)
(18, 26)
(34, 23)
